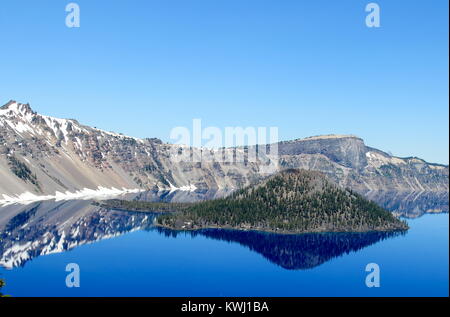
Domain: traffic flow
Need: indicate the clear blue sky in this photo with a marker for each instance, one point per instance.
(309, 67)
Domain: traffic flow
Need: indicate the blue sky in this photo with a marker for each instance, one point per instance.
(307, 67)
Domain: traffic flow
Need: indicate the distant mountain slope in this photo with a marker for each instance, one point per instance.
(349, 162)
(42, 155)
(292, 201)
(62, 155)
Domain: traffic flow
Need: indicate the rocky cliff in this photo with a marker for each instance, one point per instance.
(42, 156)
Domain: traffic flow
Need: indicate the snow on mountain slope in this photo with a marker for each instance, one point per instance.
(60, 156)
(51, 157)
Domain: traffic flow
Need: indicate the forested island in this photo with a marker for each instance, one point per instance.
(142, 206)
(292, 201)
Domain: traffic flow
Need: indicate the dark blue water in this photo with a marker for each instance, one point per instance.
(148, 262)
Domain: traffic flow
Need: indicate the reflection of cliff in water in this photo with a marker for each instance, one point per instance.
(406, 204)
(411, 204)
(180, 195)
(293, 252)
(50, 227)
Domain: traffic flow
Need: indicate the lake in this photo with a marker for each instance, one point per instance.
(121, 253)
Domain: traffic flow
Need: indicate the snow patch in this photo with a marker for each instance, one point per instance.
(190, 187)
(84, 194)
(377, 159)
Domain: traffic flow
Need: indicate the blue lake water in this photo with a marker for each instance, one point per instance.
(122, 254)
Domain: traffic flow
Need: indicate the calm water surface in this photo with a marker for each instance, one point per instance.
(122, 254)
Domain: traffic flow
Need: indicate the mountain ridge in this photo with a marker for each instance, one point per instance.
(66, 157)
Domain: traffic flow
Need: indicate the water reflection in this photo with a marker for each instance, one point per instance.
(293, 252)
(49, 227)
(180, 196)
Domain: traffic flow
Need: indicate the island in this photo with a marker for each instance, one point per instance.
(289, 202)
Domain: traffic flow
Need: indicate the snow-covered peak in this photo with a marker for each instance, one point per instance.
(8, 105)
(17, 116)
(21, 118)
(13, 108)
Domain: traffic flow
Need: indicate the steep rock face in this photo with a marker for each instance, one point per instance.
(350, 163)
(64, 156)
(348, 151)
(43, 155)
